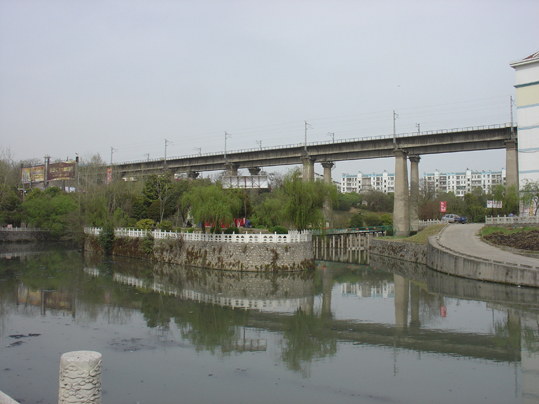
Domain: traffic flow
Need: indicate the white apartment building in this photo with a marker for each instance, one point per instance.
(527, 91)
(461, 183)
(360, 182)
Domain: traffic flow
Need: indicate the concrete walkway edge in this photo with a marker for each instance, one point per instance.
(457, 250)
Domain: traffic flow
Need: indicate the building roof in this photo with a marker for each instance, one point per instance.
(533, 58)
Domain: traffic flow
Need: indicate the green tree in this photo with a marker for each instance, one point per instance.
(211, 204)
(304, 200)
(530, 196)
(48, 209)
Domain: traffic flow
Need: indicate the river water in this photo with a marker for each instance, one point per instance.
(378, 332)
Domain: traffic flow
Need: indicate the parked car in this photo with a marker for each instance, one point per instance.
(463, 219)
(451, 218)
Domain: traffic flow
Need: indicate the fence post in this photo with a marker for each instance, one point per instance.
(80, 377)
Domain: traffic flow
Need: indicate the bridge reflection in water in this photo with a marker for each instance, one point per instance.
(314, 312)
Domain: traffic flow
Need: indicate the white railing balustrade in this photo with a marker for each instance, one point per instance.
(291, 237)
(426, 223)
(512, 220)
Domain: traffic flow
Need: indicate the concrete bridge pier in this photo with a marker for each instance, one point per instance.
(255, 170)
(232, 169)
(328, 165)
(414, 192)
(308, 168)
(402, 287)
(401, 212)
(511, 163)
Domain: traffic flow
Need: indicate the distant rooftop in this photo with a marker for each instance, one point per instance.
(533, 58)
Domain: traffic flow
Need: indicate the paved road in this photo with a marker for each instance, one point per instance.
(463, 238)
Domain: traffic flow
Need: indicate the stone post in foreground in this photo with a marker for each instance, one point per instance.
(80, 378)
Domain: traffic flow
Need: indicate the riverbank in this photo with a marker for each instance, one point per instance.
(457, 250)
(229, 252)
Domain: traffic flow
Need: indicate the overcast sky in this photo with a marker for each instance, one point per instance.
(85, 76)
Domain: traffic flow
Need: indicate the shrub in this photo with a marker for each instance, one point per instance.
(372, 219)
(145, 224)
(278, 230)
(231, 230)
(146, 246)
(356, 221)
(387, 219)
(106, 238)
(166, 225)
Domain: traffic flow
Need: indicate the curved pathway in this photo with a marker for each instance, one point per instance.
(464, 238)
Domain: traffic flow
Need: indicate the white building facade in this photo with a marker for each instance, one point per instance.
(461, 183)
(527, 91)
(360, 182)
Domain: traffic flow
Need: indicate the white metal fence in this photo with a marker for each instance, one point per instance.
(512, 220)
(291, 237)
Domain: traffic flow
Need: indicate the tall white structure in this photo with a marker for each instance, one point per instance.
(527, 90)
(461, 183)
(360, 182)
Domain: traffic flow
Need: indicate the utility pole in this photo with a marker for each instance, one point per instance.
(166, 144)
(418, 126)
(46, 171)
(227, 135)
(306, 127)
(332, 136)
(112, 150)
(395, 116)
(148, 156)
(259, 142)
(199, 150)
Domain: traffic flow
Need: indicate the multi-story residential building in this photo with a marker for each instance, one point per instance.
(460, 183)
(360, 182)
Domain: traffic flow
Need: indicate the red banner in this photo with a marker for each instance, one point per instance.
(443, 207)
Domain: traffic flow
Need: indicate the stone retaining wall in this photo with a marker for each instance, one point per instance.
(451, 262)
(23, 236)
(398, 249)
(215, 255)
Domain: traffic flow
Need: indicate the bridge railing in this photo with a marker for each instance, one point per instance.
(371, 229)
(291, 237)
(492, 220)
(325, 142)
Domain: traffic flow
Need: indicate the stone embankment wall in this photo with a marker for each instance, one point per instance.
(398, 249)
(24, 236)
(456, 263)
(215, 255)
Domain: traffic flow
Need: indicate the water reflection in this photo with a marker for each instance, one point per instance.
(301, 319)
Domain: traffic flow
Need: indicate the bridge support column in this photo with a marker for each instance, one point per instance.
(401, 212)
(192, 175)
(511, 163)
(328, 165)
(254, 170)
(232, 169)
(414, 192)
(308, 168)
(401, 301)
